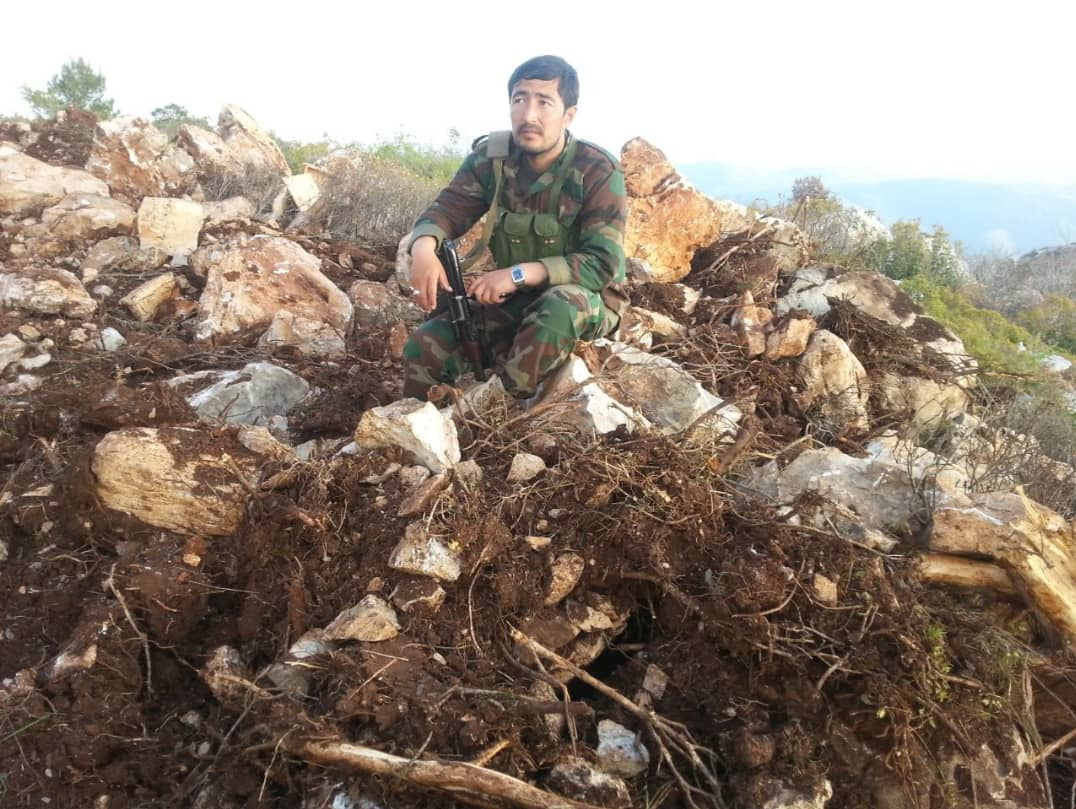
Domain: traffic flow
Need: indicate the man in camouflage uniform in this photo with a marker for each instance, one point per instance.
(557, 239)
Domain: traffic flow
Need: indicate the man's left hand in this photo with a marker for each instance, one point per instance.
(493, 286)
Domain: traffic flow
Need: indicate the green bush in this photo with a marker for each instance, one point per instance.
(171, 117)
(1054, 320)
(988, 336)
(437, 165)
(373, 199)
(298, 153)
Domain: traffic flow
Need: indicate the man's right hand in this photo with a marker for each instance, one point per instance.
(427, 273)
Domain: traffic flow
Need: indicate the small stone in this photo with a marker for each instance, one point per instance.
(397, 339)
(371, 620)
(655, 681)
(575, 778)
(469, 474)
(825, 590)
(567, 569)
(191, 719)
(525, 467)
(412, 476)
(102, 291)
(619, 750)
(424, 495)
(379, 478)
(111, 340)
(29, 333)
(77, 336)
(538, 543)
(418, 427)
(291, 680)
(310, 644)
(35, 362)
(425, 555)
(587, 619)
(414, 593)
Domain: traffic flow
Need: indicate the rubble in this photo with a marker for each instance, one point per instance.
(717, 577)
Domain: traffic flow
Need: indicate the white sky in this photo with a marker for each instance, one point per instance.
(945, 88)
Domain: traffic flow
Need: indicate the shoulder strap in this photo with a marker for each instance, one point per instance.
(497, 150)
(553, 204)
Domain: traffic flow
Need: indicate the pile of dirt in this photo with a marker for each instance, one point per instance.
(741, 611)
(635, 584)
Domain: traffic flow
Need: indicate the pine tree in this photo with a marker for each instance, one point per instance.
(76, 85)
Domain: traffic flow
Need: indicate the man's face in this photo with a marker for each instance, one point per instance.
(538, 115)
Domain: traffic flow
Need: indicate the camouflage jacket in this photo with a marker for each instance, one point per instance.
(593, 198)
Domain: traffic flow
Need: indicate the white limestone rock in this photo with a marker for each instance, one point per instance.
(46, 291)
(423, 554)
(171, 225)
(619, 750)
(415, 426)
(371, 620)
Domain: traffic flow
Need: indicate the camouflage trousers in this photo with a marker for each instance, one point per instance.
(538, 332)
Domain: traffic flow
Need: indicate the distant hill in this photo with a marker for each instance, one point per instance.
(981, 215)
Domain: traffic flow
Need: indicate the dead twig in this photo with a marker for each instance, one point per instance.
(665, 733)
(468, 783)
(110, 583)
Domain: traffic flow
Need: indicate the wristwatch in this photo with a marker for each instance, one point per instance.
(518, 278)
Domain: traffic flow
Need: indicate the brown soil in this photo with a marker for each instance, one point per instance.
(769, 678)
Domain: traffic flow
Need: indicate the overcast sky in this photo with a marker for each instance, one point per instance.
(946, 88)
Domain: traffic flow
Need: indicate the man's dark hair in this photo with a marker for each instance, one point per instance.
(547, 68)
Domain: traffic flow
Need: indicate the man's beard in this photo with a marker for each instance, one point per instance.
(533, 152)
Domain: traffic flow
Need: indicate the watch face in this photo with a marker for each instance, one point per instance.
(517, 275)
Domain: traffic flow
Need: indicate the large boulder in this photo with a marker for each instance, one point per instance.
(889, 489)
(928, 403)
(175, 478)
(668, 218)
(45, 291)
(255, 394)
(241, 148)
(27, 185)
(171, 225)
(835, 388)
(664, 393)
(1035, 546)
(874, 294)
(137, 160)
(87, 217)
(253, 279)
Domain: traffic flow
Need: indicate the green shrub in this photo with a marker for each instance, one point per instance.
(298, 153)
(988, 336)
(1054, 320)
(373, 199)
(436, 165)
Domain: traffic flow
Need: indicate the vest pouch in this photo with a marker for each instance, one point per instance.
(523, 237)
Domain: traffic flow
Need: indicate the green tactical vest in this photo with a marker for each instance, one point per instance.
(516, 238)
(522, 237)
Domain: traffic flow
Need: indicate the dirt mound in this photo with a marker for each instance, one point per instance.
(788, 653)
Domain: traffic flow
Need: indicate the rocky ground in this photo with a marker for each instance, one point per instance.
(742, 554)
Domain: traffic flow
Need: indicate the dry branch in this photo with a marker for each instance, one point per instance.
(465, 782)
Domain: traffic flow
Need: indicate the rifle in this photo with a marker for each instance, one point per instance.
(468, 336)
